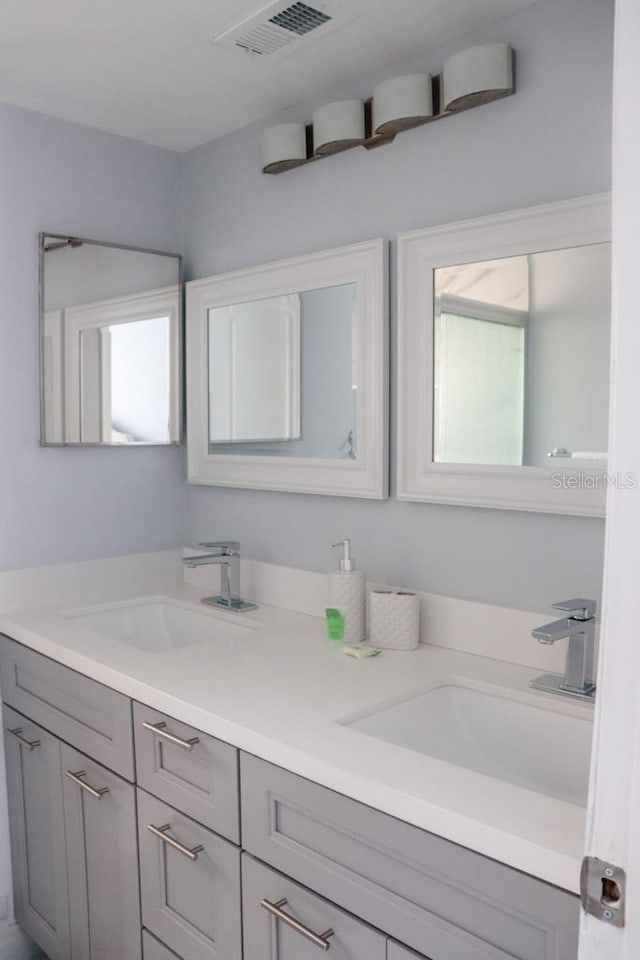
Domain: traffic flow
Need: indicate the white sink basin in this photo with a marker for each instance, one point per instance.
(511, 740)
(158, 624)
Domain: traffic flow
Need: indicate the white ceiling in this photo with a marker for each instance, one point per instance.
(147, 69)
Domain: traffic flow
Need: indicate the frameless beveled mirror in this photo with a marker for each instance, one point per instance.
(286, 374)
(111, 332)
(504, 360)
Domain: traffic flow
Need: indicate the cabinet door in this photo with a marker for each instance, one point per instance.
(284, 921)
(152, 949)
(396, 951)
(190, 881)
(100, 824)
(37, 833)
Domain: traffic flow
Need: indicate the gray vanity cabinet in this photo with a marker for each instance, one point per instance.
(284, 921)
(190, 883)
(34, 786)
(108, 867)
(102, 861)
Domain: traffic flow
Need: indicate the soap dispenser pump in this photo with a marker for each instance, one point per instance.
(347, 594)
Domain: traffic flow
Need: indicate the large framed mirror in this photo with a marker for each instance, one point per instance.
(287, 375)
(503, 360)
(110, 342)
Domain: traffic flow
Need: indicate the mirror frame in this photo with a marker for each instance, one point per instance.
(554, 226)
(366, 265)
(176, 335)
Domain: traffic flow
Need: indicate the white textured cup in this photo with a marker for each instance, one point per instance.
(394, 620)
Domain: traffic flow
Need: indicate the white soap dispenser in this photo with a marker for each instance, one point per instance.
(347, 594)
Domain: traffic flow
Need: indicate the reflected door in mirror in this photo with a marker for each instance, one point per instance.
(283, 377)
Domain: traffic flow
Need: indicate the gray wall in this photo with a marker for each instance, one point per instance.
(550, 142)
(58, 505)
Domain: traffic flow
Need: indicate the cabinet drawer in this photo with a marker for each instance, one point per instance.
(303, 915)
(190, 882)
(439, 898)
(152, 949)
(190, 770)
(86, 714)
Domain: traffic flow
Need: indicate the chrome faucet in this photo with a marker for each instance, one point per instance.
(579, 628)
(226, 554)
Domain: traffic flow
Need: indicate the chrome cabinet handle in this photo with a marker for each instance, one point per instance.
(158, 729)
(31, 744)
(161, 834)
(275, 909)
(76, 778)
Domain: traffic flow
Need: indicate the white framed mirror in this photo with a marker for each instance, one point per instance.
(110, 344)
(503, 360)
(287, 384)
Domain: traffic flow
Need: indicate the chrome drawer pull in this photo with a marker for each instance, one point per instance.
(31, 744)
(161, 833)
(320, 939)
(159, 730)
(76, 778)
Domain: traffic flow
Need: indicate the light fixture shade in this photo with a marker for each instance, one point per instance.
(477, 75)
(338, 126)
(283, 147)
(401, 103)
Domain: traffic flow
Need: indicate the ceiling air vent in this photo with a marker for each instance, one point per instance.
(281, 28)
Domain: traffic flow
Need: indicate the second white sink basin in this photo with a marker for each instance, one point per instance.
(158, 624)
(511, 740)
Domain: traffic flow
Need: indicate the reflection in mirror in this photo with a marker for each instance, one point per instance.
(282, 378)
(521, 359)
(110, 342)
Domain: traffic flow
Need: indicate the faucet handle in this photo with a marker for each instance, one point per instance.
(578, 608)
(231, 547)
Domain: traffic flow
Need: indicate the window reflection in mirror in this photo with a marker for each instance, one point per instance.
(282, 375)
(110, 344)
(521, 359)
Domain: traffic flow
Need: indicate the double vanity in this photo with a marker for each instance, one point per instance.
(200, 782)
(190, 783)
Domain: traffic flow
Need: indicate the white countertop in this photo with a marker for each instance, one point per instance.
(278, 692)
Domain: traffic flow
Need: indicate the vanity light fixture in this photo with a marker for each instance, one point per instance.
(284, 147)
(476, 76)
(469, 78)
(338, 126)
(402, 103)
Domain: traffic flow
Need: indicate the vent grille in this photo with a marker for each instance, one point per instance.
(281, 27)
(300, 18)
(264, 40)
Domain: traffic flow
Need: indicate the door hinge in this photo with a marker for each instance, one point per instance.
(603, 891)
